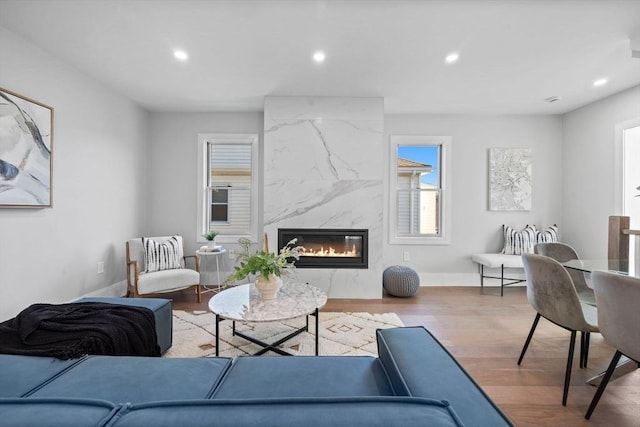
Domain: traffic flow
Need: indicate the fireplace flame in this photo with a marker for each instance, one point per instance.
(331, 252)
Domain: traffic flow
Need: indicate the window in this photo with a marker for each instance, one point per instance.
(219, 206)
(627, 179)
(227, 177)
(419, 210)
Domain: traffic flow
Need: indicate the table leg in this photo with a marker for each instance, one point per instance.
(218, 272)
(624, 366)
(317, 331)
(217, 335)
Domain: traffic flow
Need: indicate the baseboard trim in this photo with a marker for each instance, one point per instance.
(461, 279)
(116, 290)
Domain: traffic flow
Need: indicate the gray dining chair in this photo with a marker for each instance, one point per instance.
(618, 298)
(551, 293)
(562, 252)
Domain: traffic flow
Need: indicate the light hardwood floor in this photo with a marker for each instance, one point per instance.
(485, 332)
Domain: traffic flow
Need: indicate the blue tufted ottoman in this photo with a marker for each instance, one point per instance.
(400, 281)
(162, 311)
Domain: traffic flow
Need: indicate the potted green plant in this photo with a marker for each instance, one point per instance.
(268, 266)
(211, 237)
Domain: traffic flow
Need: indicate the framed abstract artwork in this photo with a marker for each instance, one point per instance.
(26, 147)
(510, 179)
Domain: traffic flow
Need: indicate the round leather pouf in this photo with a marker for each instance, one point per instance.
(400, 281)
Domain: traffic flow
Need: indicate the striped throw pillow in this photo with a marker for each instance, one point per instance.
(519, 242)
(162, 256)
(549, 235)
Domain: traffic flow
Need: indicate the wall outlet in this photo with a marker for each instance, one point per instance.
(406, 256)
(100, 269)
(232, 254)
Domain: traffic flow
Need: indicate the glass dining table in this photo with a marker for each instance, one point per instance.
(628, 267)
(611, 265)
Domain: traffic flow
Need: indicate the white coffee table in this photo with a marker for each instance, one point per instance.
(243, 304)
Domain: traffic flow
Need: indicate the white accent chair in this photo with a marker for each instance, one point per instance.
(141, 283)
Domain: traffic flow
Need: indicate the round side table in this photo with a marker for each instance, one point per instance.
(208, 261)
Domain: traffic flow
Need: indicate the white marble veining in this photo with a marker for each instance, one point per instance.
(324, 167)
(324, 204)
(243, 303)
(333, 150)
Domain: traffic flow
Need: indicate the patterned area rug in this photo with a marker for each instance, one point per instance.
(341, 334)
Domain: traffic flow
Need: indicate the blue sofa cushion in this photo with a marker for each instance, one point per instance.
(404, 352)
(20, 375)
(316, 412)
(55, 412)
(138, 379)
(304, 376)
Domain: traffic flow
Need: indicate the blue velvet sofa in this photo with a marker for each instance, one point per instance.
(413, 382)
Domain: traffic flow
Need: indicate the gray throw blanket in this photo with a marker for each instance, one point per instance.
(69, 331)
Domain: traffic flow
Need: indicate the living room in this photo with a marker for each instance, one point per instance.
(123, 169)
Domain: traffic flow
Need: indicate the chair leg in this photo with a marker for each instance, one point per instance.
(526, 343)
(567, 375)
(502, 280)
(603, 383)
(581, 348)
(199, 292)
(587, 336)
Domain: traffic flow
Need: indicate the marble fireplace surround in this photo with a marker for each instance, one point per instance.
(323, 168)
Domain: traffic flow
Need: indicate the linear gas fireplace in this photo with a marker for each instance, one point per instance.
(329, 248)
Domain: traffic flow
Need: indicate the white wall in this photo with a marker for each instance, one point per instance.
(172, 168)
(172, 198)
(474, 228)
(589, 170)
(50, 255)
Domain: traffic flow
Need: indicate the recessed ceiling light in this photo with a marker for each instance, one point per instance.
(181, 55)
(600, 82)
(319, 56)
(452, 57)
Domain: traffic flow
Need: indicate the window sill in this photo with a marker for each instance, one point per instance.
(426, 241)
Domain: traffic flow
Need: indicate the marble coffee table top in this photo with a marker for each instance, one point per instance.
(243, 303)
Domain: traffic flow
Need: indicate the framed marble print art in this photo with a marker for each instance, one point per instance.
(510, 179)
(26, 140)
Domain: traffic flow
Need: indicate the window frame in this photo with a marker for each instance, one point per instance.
(203, 197)
(444, 238)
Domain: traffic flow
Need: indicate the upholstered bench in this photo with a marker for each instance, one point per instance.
(162, 312)
(501, 261)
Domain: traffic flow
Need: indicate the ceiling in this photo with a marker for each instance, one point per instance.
(513, 53)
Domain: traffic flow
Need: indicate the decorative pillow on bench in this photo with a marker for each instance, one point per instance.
(549, 235)
(519, 242)
(523, 241)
